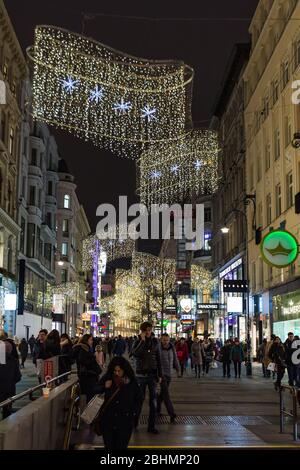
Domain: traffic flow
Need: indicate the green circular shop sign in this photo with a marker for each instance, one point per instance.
(279, 248)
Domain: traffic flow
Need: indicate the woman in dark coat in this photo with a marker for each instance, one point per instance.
(277, 355)
(225, 354)
(87, 367)
(9, 376)
(66, 351)
(23, 348)
(52, 345)
(118, 417)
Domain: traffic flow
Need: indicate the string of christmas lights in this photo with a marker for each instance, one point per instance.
(115, 100)
(201, 278)
(173, 173)
(114, 248)
(69, 289)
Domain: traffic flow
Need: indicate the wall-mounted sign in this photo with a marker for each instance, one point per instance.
(186, 304)
(235, 304)
(85, 316)
(231, 267)
(208, 306)
(238, 285)
(279, 248)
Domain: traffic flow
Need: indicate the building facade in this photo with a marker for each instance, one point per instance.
(37, 182)
(272, 163)
(72, 229)
(13, 70)
(228, 259)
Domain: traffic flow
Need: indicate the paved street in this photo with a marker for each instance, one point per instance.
(213, 411)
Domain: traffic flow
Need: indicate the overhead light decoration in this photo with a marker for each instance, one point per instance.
(201, 278)
(115, 100)
(69, 289)
(114, 248)
(173, 173)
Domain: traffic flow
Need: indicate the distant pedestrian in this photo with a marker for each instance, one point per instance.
(261, 355)
(237, 357)
(225, 355)
(288, 356)
(197, 352)
(209, 354)
(278, 356)
(119, 347)
(23, 348)
(169, 362)
(99, 355)
(182, 353)
(31, 343)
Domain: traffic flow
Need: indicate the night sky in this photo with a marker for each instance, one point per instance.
(205, 43)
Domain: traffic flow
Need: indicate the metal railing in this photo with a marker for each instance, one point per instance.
(294, 391)
(73, 414)
(31, 390)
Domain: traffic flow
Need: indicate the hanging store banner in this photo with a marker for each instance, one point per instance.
(279, 248)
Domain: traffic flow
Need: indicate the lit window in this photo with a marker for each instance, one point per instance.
(67, 201)
(64, 249)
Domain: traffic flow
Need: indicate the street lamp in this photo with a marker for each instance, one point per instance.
(248, 198)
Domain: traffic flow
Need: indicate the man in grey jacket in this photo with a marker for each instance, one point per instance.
(169, 361)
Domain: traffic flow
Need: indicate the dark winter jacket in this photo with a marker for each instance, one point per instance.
(121, 412)
(23, 348)
(169, 359)
(237, 353)
(288, 351)
(66, 357)
(39, 351)
(88, 369)
(277, 354)
(225, 353)
(119, 347)
(147, 357)
(9, 376)
(52, 348)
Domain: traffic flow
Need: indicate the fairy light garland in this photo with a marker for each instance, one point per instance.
(201, 278)
(172, 173)
(115, 100)
(69, 289)
(114, 248)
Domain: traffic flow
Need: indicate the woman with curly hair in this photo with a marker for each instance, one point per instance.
(122, 402)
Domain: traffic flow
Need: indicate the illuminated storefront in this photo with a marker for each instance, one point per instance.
(286, 314)
(8, 304)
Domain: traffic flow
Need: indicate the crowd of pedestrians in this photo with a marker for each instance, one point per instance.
(149, 364)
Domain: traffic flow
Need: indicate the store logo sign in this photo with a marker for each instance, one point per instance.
(279, 248)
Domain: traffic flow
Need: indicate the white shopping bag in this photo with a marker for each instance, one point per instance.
(92, 409)
(271, 366)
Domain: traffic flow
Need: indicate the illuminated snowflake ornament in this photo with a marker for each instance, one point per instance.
(155, 175)
(69, 84)
(197, 164)
(96, 94)
(122, 106)
(149, 113)
(175, 169)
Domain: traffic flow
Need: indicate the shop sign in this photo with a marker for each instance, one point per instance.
(208, 306)
(85, 316)
(186, 304)
(231, 267)
(279, 248)
(235, 285)
(183, 274)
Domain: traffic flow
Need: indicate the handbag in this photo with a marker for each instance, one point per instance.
(271, 366)
(214, 365)
(92, 409)
(97, 421)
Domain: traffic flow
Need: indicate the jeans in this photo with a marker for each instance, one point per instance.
(226, 369)
(164, 396)
(237, 368)
(292, 374)
(150, 382)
